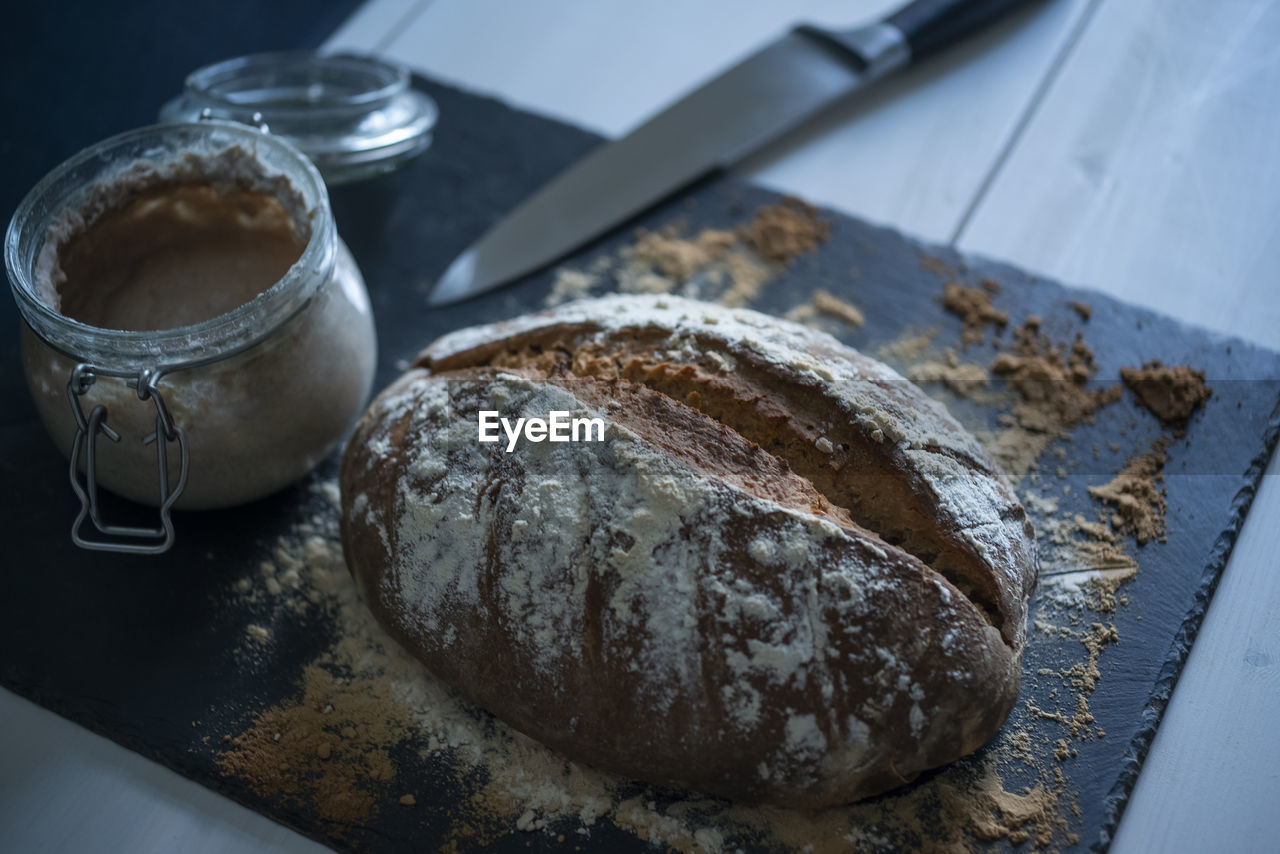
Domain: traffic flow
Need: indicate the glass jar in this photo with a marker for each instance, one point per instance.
(210, 414)
(354, 116)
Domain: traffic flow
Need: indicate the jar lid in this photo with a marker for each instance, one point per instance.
(354, 116)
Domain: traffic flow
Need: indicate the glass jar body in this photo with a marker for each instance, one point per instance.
(253, 422)
(252, 398)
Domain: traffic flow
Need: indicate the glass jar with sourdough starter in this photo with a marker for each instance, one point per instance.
(196, 335)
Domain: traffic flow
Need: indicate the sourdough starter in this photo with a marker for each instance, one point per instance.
(177, 245)
(174, 256)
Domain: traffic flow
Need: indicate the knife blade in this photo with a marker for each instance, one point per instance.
(769, 93)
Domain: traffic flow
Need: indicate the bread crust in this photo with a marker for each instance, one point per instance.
(681, 602)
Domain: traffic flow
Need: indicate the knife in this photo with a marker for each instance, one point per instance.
(780, 86)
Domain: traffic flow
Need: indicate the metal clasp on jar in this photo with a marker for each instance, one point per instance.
(131, 540)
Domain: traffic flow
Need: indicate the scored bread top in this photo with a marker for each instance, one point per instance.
(872, 442)
(785, 574)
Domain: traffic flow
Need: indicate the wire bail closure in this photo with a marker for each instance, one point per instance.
(129, 540)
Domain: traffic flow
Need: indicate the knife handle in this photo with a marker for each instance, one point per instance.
(931, 25)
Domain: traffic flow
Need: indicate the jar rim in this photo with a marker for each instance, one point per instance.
(355, 116)
(126, 352)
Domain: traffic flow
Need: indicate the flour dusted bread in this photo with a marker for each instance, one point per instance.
(784, 575)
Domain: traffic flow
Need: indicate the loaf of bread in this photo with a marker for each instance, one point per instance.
(781, 574)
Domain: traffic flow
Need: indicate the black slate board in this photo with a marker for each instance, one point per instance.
(139, 648)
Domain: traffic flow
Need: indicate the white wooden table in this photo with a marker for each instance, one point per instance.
(1132, 146)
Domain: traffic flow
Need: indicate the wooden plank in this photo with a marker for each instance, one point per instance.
(373, 26)
(911, 155)
(1213, 775)
(1151, 169)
